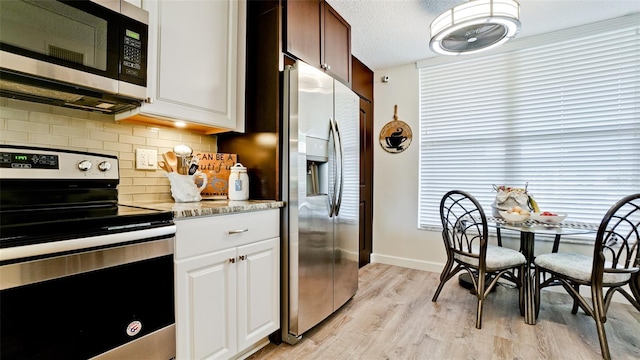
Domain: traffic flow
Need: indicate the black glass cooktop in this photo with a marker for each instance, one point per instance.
(32, 226)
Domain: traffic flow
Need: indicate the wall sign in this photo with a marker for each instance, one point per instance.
(217, 167)
(396, 135)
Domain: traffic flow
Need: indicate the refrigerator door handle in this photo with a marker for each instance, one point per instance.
(340, 164)
(334, 195)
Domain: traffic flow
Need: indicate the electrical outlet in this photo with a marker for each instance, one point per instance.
(146, 159)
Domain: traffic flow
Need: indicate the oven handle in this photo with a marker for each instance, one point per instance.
(54, 247)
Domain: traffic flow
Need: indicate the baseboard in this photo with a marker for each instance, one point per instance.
(408, 263)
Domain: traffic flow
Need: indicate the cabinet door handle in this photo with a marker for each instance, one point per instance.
(231, 232)
(232, 260)
(242, 257)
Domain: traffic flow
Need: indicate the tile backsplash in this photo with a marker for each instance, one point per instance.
(32, 124)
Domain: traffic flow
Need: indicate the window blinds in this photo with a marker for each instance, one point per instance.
(559, 111)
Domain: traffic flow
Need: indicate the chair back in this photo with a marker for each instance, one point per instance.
(617, 241)
(464, 225)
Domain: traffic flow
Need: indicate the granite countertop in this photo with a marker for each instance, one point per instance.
(208, 207)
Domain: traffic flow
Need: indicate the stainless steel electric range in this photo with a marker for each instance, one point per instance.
(80, 275)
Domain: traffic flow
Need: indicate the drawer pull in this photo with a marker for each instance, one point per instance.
(232, 260)
(231, 232)
(242, 257)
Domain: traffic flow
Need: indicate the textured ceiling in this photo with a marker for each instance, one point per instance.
(387, 33)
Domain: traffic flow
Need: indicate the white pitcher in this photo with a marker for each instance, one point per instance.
(184, 188)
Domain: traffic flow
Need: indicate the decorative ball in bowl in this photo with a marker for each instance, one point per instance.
(548, 217)
(514, 217)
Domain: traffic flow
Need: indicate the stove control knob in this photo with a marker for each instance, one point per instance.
(84, 165)
(104, 166)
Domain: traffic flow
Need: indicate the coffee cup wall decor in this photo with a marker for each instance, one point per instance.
(395, 136)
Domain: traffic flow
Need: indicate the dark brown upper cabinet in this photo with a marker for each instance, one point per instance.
(316, 34)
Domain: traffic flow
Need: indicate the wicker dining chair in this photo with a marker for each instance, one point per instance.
(614, 264)
(465, 236)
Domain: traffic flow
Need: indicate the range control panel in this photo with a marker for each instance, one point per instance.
(22, 162)
(28, 161)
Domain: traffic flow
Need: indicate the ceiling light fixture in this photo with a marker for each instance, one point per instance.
(475, 26)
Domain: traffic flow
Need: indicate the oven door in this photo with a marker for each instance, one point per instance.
(108, 303)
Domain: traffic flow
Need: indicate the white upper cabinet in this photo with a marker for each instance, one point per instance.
(196, 62)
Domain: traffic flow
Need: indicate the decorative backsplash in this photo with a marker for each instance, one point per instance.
(24, 123)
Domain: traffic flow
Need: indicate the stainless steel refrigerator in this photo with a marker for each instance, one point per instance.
(320, 162)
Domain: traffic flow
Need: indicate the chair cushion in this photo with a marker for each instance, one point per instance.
(498, 257)
(576, 266)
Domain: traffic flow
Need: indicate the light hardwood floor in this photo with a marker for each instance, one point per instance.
(392, 317)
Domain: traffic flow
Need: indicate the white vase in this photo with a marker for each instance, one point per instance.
(184, 187)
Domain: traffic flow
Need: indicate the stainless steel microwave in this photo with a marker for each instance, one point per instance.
(86, 54)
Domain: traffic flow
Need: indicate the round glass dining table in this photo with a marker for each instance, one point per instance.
(528, 231)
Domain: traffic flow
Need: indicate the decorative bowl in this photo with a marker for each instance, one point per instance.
(547, 217)
(513, 217)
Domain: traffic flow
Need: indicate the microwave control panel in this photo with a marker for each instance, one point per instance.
(133, 51)
(132, 54)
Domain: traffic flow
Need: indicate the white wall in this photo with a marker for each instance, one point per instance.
(396, 238)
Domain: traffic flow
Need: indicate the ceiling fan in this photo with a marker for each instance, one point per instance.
(475, 26)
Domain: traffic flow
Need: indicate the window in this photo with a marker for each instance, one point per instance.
(559, 111)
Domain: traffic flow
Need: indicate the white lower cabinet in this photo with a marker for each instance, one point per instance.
(258, 299)
(206, 306)
(227, 284)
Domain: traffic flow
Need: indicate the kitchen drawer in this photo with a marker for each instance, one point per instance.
(201, 235)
